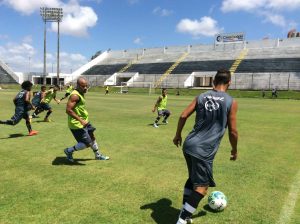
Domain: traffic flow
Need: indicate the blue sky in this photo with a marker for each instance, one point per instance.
(92, 25)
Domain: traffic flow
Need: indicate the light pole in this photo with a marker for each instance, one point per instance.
(51, 15)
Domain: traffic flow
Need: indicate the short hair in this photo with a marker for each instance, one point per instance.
(223, 76)
(26, 84)
(43, 87)
(163, 89)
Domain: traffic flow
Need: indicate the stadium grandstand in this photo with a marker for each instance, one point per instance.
(263, 64)
(7, 76)
(255, 65)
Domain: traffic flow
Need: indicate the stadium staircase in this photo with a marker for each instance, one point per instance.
(238, 61)
(169, 71)
(124, 69)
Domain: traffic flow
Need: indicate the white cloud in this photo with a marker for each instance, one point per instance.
(283, 4)
(206, 26)
(138, 41)
(29, 6)
(21, 56)
(268, 9)
(276, 19)
(251, 5)
(162, 12)
(238, 5)
(76, 21)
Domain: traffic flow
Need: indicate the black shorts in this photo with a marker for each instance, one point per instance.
(84, 134)
(200, 172)
(45, 106)
(19, 114)
(67, 94)
(163, 113)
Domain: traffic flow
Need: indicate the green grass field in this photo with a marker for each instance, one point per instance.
(143, 181)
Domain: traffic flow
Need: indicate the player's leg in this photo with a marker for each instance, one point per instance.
(94, 145)
(166, 114)
(15, 119)
(188, 187)
(159, 115)
(47, 107)
(80, 136)
(28, 124)
(37, 110)
(200, 183)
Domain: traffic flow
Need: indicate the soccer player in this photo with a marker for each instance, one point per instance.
(68, 91)
(36, 100)
(45, 103)
(23, 106)
(78, 122)
(215, 110)
(161, 105)
(106, 90)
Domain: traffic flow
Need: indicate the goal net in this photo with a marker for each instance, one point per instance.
(143, 85)
(123, 87)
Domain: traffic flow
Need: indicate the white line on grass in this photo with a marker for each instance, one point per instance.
(289, 205)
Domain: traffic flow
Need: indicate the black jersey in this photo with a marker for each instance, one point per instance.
(212, 110)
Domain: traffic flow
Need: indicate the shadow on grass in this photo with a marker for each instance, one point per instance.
(42, 121)
(162, 211)
(18, 135)
(58, 161)
(157, 124)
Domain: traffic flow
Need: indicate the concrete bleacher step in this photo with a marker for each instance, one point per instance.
(237, 62)
(169, 71)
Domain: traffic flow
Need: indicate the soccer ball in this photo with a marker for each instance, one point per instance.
(217, 201)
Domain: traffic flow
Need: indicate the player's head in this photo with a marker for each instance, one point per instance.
(82, 85)
(43, 88)
(27, 85)
(223, 77)
(56, 88)
(164, 91)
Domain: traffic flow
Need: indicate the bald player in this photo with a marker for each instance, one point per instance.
(79, 124)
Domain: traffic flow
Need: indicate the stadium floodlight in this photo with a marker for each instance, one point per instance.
(51, 15)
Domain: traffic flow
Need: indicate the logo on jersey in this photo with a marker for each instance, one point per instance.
(211, 103)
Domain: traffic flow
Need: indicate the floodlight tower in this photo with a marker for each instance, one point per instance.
(51, 15)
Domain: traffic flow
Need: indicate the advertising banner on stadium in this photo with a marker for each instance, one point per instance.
(229, 38)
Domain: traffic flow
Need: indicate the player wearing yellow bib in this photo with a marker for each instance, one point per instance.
(45, 103)
(68, 91)
(161, 106)
(78, 122)
(106, 90)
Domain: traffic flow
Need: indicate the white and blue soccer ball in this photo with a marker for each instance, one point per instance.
(217, 201)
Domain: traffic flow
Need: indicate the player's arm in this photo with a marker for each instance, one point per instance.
(73, 100)
(56, 100)
(27, 100)
(43, 94)
(157, 103)
(181, 122)
(232, 130)
(15, 100)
